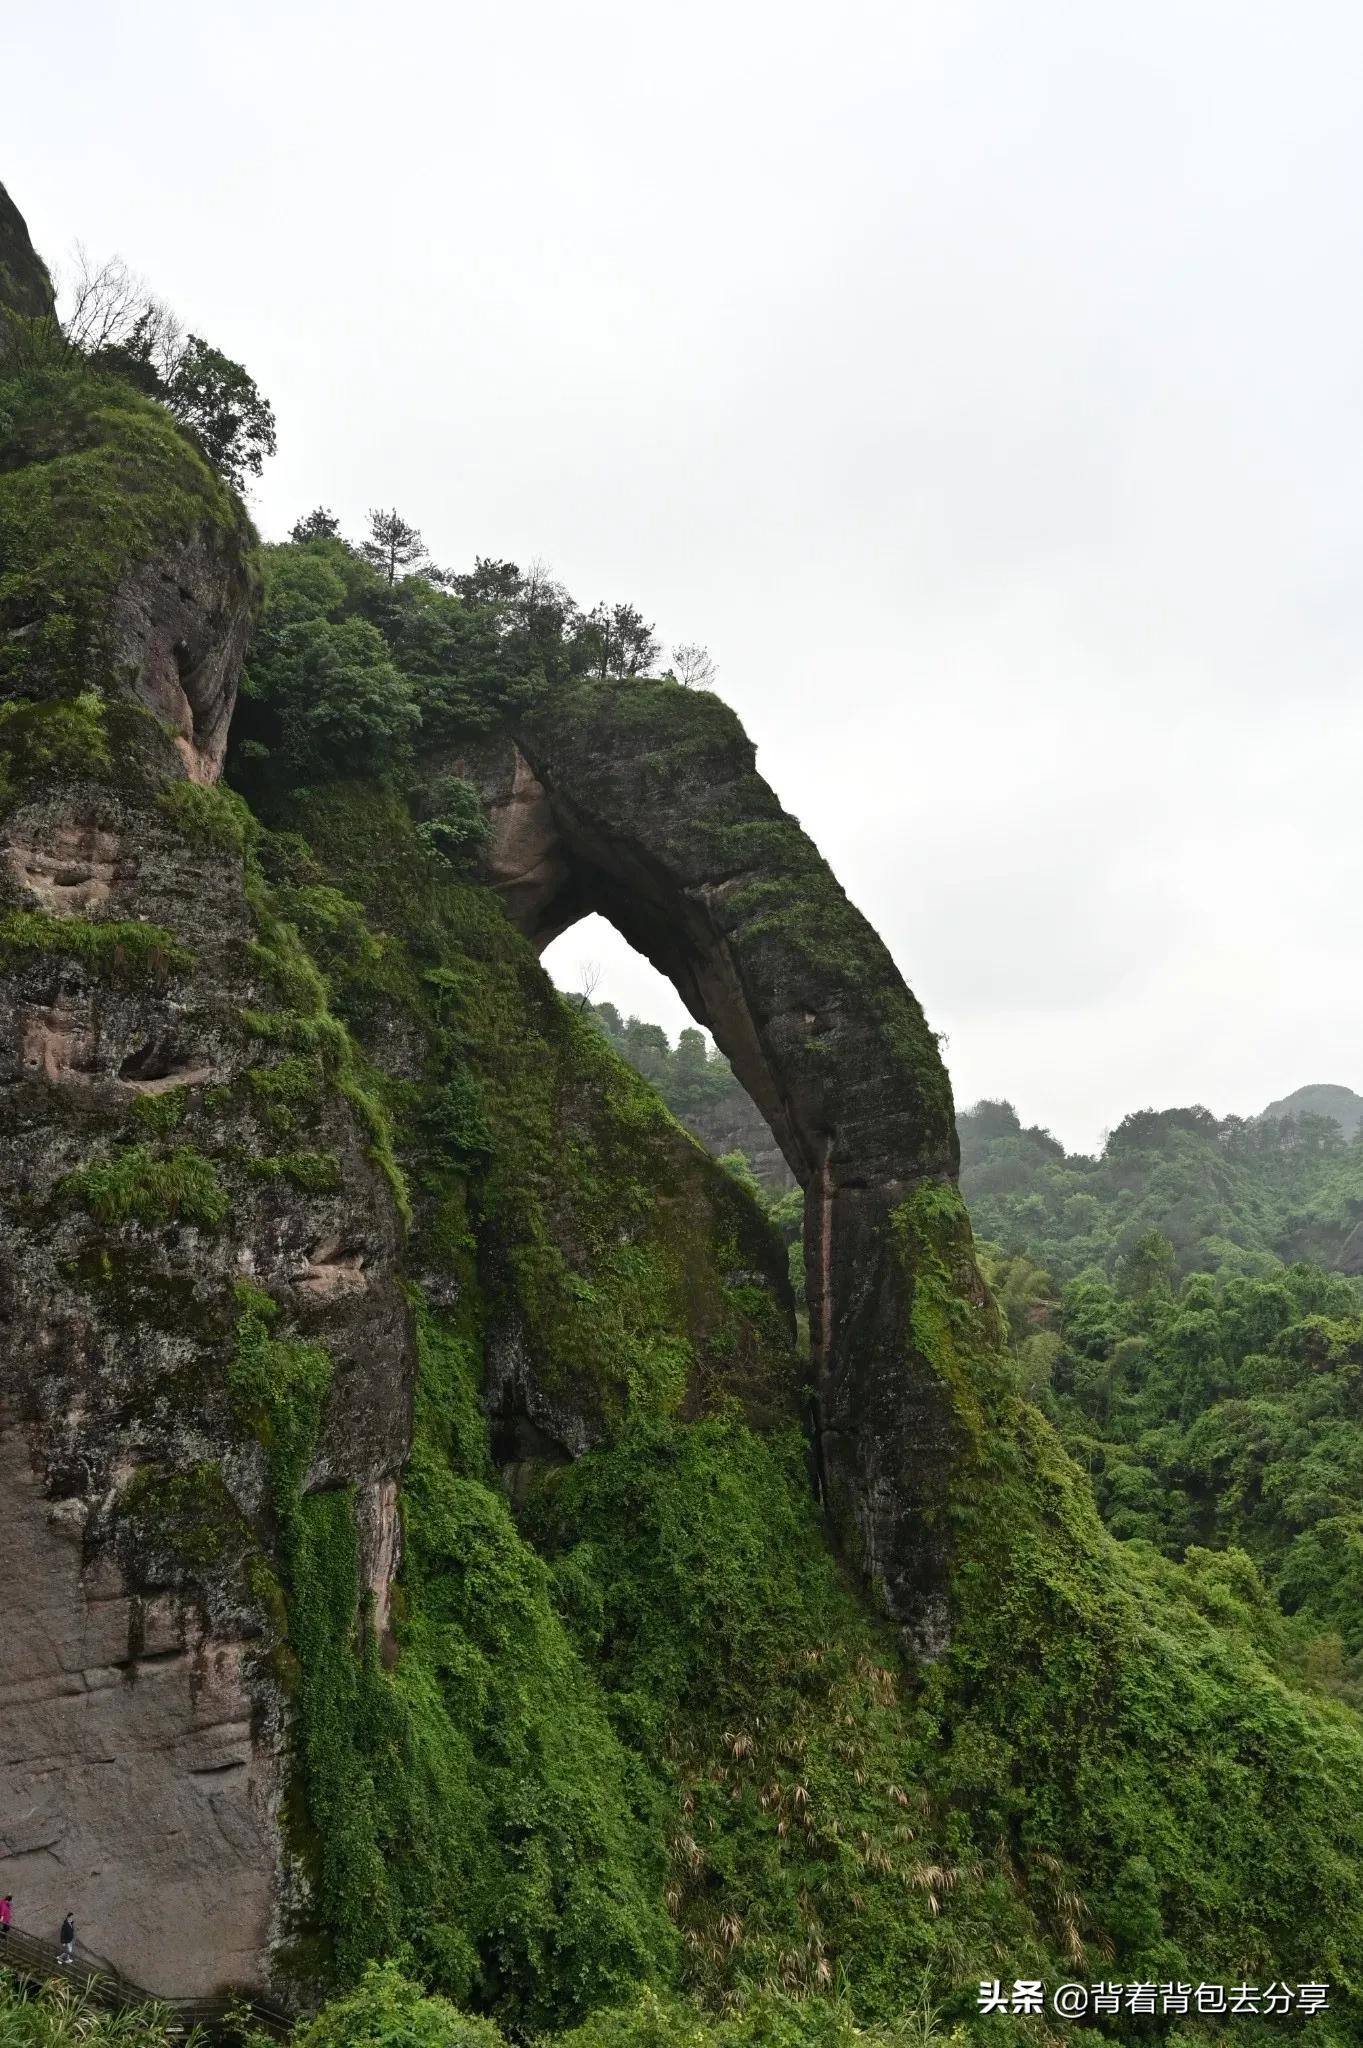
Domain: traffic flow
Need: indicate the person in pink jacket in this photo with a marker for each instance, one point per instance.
(6, 1914)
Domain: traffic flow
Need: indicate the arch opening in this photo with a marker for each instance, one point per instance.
(641, 803)
(641, 1014)
(551, 879)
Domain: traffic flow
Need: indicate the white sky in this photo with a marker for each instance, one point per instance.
(980, 381)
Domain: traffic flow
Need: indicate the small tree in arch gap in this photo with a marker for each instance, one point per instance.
(393, 547)
(694, 666)
(588, 982)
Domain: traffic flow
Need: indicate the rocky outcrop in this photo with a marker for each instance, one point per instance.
(25, 286)
(201, 1244)
(733, 1123)
(130, 567)
(116, 1704)
(179, 626)
(641, 802)
(145, 1179)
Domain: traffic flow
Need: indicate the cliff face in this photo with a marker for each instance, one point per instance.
(25, 287)
(173, 1169)
(735, 1124)
(193, 1214)
(214, 1254)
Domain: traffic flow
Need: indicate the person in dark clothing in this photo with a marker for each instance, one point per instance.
(68, 1948)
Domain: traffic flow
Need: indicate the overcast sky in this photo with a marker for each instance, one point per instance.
(981, 382)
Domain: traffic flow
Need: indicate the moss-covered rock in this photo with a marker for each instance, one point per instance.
(641, 801)
(25, 286)
(126, 566)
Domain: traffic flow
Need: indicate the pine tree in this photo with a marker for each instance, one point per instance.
(394, 547)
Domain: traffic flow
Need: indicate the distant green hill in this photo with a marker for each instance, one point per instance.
(1231, 1194)
(1321, 1098)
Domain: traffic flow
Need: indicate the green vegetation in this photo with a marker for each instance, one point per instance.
(57, 2015)
(68, 738)
(363, 648)
(1230, 1195)
(189, 1516)
(94, 481)
(651, 1734)
(134, 1183)
(690, 1076)
(1214, 1408)
(626, 1749)
(613, 1231)
(387, 2010)
(124, 951)
(313, 1173)
(1218, 1411)
(208, 812)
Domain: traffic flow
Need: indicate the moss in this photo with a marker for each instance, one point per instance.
(123, 951)
(278, 1386)
(68, 738)
(163, 1112)
(335, 1707)
(209, 813)
(291, 1090)
(136, 1293)
(96, 480)
(307, 1025)
(186, 1515)
(133, 1183)
(313, 1173)
(368, 1107)
(611, 1226)
(280, 956)
(519, 1807)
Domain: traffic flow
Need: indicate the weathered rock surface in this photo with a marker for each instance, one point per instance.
(25, 286)
(642, 802)
(135, 1674)
(179, 629)
(735, 1124)
(132, 1792)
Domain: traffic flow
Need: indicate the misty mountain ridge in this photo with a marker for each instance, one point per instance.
(1321, 1098)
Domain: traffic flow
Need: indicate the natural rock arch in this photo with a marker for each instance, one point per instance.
(641, 801)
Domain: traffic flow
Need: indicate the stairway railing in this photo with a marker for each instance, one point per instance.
(39, 1962)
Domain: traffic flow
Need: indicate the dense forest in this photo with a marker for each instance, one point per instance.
(1186, 1309)
(1231, 1195)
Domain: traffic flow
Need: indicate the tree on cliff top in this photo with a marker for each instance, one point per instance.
(319, 524)
(220, 404)
(616, 640)
(393, 547)
(694, 666)
(121, 329)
